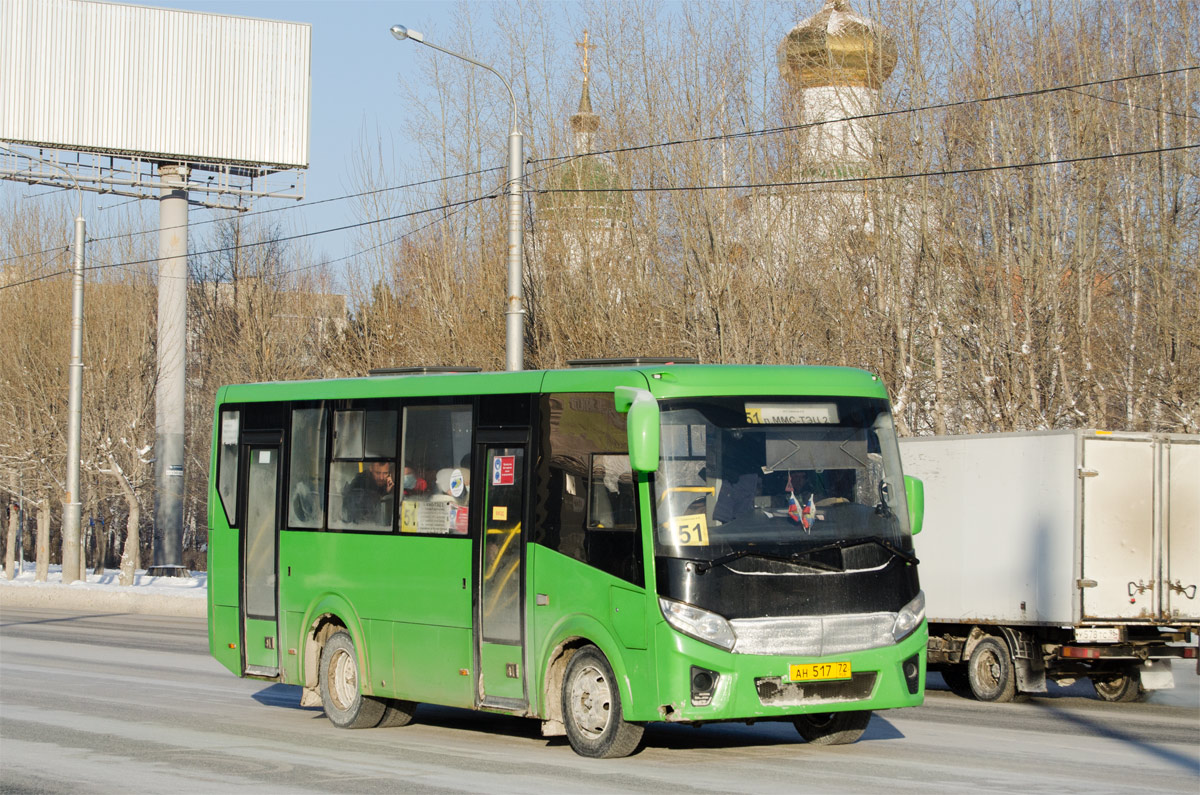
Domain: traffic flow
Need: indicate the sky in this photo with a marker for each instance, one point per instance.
(355, 64)
(355, 68)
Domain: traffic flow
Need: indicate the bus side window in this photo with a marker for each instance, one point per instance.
(362, 475)
(435, 466)
(611, 493)
(306, 489)
(227, 464)
(591, 511)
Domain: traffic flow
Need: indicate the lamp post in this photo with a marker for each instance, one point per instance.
(72, 557)
(514, 320)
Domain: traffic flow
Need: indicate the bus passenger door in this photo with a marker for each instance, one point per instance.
(499, 575)
(260, 627)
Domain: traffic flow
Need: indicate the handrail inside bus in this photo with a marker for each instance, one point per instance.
(692, 489)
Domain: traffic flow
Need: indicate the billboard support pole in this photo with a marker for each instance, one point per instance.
(72, 558)
(170, 388)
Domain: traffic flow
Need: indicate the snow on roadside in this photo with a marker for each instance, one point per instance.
(174, 596)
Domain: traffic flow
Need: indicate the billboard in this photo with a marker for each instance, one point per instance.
(155, 83)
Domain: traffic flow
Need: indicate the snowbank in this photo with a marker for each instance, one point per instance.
(164, 596)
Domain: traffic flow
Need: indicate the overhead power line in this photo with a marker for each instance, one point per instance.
(876, 177)
(271, 241)
(876, 115)
(286, 208)
(549, 161)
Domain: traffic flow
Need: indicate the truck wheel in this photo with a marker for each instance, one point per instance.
(991, 671)
(958, 680)
(832, 728)
(591, 705)
(1120, 687)
(345, 705)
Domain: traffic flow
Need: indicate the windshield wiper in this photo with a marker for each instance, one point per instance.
(795, 558)
(879, 541)
(904, 555)
(802, 558)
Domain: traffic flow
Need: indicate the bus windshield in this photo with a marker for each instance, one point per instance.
(789, 481)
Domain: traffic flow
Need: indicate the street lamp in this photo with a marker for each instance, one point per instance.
(72, 505)
(514, 321)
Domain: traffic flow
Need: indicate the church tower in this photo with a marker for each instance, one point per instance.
(834, 63)
(580, 213)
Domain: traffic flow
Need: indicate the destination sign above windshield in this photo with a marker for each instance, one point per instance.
(792, 413)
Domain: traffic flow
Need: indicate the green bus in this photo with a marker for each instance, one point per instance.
(599, 547)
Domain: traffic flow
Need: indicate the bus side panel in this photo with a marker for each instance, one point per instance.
(224, 630)
(419, 583)
(223, 637)
(581, 602)
(433, 664)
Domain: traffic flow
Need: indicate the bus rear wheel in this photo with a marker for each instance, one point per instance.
(591, 705)
(397, 713)
(832, 728)
(345, 705)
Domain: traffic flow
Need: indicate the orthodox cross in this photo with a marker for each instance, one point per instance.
(585, 45)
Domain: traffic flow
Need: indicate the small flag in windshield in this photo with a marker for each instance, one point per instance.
(805, 514)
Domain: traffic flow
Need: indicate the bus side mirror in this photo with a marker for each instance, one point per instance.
(914, 492)
(641, 426)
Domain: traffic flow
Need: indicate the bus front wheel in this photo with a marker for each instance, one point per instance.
(592, 708)
(345, 705)
(832, 728)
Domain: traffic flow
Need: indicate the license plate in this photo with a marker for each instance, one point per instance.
(1098, 634)
(815, 672)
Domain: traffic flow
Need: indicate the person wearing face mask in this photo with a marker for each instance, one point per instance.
(412, 484)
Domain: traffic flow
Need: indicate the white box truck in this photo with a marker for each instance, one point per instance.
(1058, 555)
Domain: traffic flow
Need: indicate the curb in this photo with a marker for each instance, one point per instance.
(102, 599)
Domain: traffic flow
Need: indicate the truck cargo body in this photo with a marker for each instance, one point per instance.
(1057, 555)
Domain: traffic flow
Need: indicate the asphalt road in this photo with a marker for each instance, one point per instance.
(116, 703)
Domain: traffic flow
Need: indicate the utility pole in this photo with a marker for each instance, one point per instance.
(72, 504)
(170, 389)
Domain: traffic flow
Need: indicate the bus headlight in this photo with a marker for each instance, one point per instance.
(909, 617)
(697, 623)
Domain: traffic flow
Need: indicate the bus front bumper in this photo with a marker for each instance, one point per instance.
(701, 683)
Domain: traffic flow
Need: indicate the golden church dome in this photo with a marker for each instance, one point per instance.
(837, 47)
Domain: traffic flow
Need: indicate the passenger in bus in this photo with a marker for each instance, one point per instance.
(367, 497)
(452, 483)
(413, 485)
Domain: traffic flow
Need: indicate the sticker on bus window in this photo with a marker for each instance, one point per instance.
(264, 456)
(499, 513)
(686, 531)
(408, 516)
(434, 518)
(791, 413)
(504, 469)
(229, 428)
